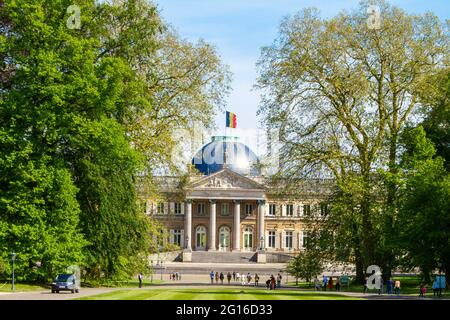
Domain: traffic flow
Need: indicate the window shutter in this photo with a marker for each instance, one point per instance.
(283, 239)
(171, 236)
(182, 204)
(283, 210)
(182, 238)
(294, 240)
(300, 239)
(166, 207)
(277, 240)
(300, 210)
(147, 207)
(295, 210)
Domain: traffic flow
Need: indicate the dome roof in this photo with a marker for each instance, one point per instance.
(226, 152)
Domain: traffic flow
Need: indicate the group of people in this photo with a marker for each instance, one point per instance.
(244, 279)
(175, 275)
(327, 282)
(235, 276)
(272, 284)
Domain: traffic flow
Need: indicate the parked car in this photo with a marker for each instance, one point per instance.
(66, 282)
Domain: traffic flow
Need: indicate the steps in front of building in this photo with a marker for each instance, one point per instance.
(223, 257)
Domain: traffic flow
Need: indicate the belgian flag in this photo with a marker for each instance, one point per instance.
(231, 120)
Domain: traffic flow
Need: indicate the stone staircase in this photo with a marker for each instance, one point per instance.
(223, 257)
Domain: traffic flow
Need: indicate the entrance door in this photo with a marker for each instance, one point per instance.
(224, 239)
(248, 239)
(200, 237)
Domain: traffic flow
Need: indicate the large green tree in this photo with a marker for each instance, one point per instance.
(340, 94)
(83, 104)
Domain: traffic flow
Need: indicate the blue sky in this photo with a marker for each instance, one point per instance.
(239, 28)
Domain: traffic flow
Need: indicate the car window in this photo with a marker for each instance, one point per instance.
(63, 278)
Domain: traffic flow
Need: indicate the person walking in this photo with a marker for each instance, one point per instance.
(330, 284)
(397, 287)
(140, 280)
(229, 277)
(221, 277)
(365, 285)
(422, 290)
(268, 284)
(317, 284)
(338, 284)
(435, 287)
(279, 277)
(238, 277)
(211, 275)
(256, 280)
(390, 284)
(243, 280)
(234, 276)
(325, 282)
(272, 283)
(249, 278)
(217, 277)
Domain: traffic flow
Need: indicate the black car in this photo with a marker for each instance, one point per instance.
(65, 282)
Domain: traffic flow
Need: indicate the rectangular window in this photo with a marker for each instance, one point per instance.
(271, 239)
(306, 209)
(177, 237)
(177, 208)
(323, 209)
(248, 209)
(201, 209)
(225, 209)
(160, 208)
(272, 209)
(288, 239)
(290, 210)
(304, 238)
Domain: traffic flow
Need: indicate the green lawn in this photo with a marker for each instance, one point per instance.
(214, 294)
(20, 287)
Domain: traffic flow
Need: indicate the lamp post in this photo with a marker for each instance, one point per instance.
(161, 269)
(13, 257)
(151, 276)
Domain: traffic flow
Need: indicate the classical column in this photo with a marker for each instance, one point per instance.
(261, 212)
(212, 226)
(237, 226)
(188, 226)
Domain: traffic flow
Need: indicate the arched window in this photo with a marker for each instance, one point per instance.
(200, 237)
(224, 238)
(248, 239)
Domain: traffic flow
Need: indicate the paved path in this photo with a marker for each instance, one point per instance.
(47, 295)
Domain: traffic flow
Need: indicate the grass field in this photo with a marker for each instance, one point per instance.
(20, 287)
(214, 294)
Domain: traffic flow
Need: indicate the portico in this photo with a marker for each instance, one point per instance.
(218, 199)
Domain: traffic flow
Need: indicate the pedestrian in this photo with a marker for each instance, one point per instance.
(390, 284)
(317, 284)
(365, 285)
(435, 287)
(338, 284)
(217, 277)
(234, 276)
(140, 280)
(173, 276)
(397, 287)
(238, 277)
(279, 277)
(272, 283)
(221, 277)
(422, 290)
(330, 284)
(268, 284)
(249, 278)
(325, 282)
(243, 280)
(229, 277)
(211, 275)
(256, 280)
(170, 276)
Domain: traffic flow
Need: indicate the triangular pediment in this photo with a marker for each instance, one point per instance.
(226, 179)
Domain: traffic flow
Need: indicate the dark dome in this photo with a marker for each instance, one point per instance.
(226, 152)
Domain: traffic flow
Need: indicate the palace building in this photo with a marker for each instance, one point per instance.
(230, 207)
